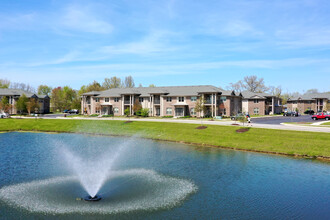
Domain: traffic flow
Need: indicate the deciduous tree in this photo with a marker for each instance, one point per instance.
(129, 82)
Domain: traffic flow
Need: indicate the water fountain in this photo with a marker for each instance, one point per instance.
(93, 170)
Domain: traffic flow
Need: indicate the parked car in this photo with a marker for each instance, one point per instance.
(66, 111)
(321, 115)
(4, 115)
(237, 117)
(309, 112)
(294, 114)
(74, 111)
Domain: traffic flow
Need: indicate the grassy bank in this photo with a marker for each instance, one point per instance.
(256, 139)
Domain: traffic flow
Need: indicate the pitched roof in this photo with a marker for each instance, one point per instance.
(165, 90)
(254, 95)
(19, 92)
(313, 96)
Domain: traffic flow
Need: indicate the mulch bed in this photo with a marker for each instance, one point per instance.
(242, 130)
(128, 122)
(234, 124)
(201, 127)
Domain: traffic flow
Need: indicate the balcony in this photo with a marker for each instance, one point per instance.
(126, 102)
(157, 101)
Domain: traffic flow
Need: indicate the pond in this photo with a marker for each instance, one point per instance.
(47, 176)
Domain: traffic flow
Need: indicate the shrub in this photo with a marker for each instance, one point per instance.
(106, 116)
(94, 115)
(168, 116)
(187, 116)
(144, 112)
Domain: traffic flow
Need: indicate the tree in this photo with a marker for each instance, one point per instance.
(113, 82)
(312, 91)
(44, 90)
(237, 87)
(57, 99)
(4, 83)
(137, 106)
(94, 86)
(32, 105)
(200, 107)
(4, 105)
(127, 112)
(253, 84)
(22, 86)
(152, 85)
(140, 85)
(276, 91)
(21, 103)
(129, 82)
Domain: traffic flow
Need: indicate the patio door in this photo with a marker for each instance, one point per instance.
(179, 112)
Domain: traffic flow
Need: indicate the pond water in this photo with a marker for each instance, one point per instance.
(153, 180)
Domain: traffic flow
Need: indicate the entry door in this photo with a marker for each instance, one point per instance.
(157, 111)
(179, 112)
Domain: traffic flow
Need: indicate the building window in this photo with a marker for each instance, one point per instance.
(256, 111)
(97, 99)
(140, 99)
(193, 98)
(256, 100)
(97, 111)
(106, 99)
(169, 111)
(115, 110)
(192, 111)
(223, 98)
(116, 99)
(181, 99)
(168, 99)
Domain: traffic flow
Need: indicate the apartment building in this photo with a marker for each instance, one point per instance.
(260, 103)
(14, 94)
(316, 102)
(176, 101)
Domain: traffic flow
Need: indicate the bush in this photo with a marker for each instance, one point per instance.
(169, 116)
(94, 115)
(187, 116)
(144, 112)
(107, 116)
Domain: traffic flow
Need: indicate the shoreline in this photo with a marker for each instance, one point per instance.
(319, 158)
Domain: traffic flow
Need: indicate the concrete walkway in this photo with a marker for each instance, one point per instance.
(216, 122)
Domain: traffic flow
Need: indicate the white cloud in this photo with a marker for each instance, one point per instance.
(79, 18)
(154, 42)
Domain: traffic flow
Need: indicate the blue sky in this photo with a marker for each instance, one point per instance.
(172, 42)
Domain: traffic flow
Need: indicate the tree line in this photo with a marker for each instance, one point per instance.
(254, 84)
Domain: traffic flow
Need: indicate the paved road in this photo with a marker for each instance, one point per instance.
(280, 119)
(52, 115)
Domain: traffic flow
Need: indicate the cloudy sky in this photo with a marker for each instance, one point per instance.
(172, 42)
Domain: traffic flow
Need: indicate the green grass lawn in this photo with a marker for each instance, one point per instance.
(267, 140)
(327, 123)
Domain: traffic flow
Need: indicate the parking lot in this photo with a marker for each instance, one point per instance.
(281, 119)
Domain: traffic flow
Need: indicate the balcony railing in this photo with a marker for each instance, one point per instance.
(126, 102)
(157, 101)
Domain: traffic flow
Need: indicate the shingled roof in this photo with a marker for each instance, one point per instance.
(165, 90)
(253, 95)
(313, 96)
(19, 92)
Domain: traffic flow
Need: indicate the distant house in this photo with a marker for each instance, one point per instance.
(14, 94)
(176, 101)
(316, 102)
(260, 103)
